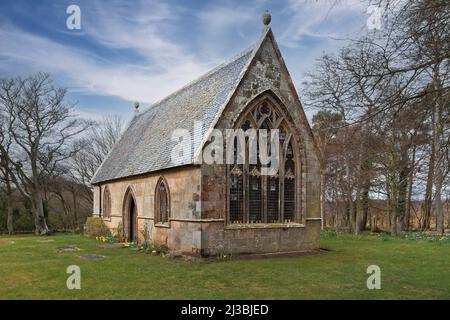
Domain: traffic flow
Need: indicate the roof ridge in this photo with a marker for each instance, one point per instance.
(198, 79)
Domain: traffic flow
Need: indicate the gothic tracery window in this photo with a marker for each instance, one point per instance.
(261, 198)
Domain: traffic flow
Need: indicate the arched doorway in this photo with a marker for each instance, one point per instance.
(130, 216)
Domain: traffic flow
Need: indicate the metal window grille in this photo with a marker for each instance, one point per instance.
(255, 195)
(273, 199)
(237, 195)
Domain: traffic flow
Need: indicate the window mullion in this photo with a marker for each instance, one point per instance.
(282, 177)
(245, 189)
(264, 198)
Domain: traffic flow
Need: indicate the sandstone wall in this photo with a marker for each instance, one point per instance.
(267, 77)
(183, 231)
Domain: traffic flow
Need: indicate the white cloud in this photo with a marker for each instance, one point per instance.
(140, 27)
(321, 19)
(221, 18)
(164, 62)
(88, 73)
(164, 65)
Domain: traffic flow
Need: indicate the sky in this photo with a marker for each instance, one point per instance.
(143, 50)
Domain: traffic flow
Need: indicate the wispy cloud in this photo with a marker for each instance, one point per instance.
(89, 73)
(322, 19)
(164, 65)
(143, 50)
(219, 18)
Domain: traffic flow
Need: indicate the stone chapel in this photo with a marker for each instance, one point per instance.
(202, 208)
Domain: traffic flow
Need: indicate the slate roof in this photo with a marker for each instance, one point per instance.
(146, 144)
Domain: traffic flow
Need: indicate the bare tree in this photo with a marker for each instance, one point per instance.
(391, 89)
(98, 141)
(42, 129)
(325, 128)
(5, 168)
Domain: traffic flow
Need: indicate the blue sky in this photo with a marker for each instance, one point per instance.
(143, 50)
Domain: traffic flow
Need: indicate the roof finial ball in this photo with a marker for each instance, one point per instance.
(266, 18)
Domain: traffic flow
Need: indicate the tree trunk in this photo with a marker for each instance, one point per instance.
(448, 210)
(75, 217)
(393, 220)
(9, 206)
(388, 205)
(346, 212)
(322, 199)
(358, 218)
(439, 140)
(430, 178)
(393, 205)
(10, 221)
(365, 172)
(365, 182)
(438, 205)
(353, 213)
(402, 195)
(347, 199)
(406, 226)
(363, 208)
(38, 212)
(428, 193)
(373, 224)
(336, 210)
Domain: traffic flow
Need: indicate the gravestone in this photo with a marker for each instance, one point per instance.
(68, 249)
(45, 240)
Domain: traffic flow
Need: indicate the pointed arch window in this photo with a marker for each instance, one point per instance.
(106, 203)
(289, 184)
(260, 198)
(236, 190)
(162, 202)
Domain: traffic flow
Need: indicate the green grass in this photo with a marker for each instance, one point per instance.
(410, 269)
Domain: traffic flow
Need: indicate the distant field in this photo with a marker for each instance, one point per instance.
(410, 269)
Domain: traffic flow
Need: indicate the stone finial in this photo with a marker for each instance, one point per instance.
(136, 107)
(266, 18)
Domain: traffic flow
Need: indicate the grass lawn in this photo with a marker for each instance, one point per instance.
(410, 269)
